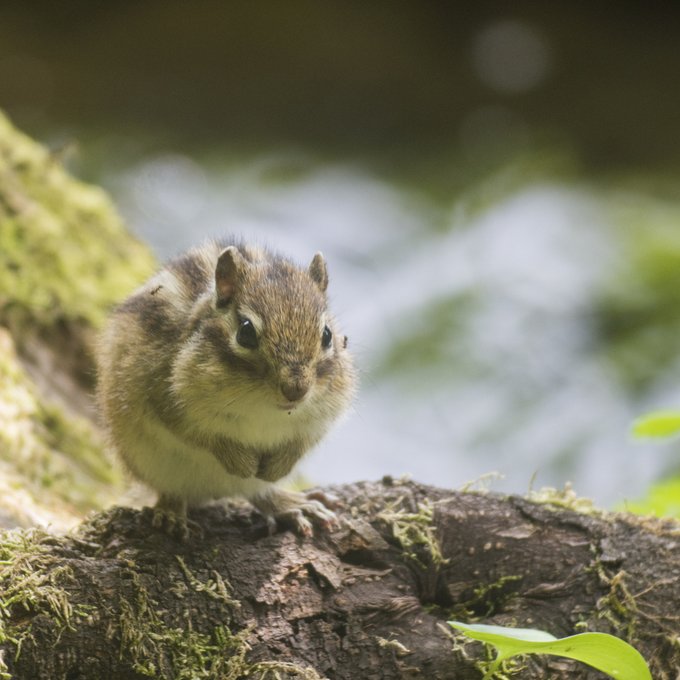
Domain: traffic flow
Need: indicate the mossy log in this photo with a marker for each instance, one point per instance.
(65, 259)
(118, 599)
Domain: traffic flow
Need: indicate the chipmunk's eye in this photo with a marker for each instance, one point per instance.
(246, 335)
(326, 337)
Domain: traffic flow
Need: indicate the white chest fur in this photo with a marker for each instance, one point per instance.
(261, 424)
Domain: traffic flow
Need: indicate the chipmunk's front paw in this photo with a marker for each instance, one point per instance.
(295, 510)
(297, 518)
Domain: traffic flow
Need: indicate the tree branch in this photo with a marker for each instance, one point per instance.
(371, 600)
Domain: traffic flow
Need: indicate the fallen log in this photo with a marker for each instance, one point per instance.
(118, 599)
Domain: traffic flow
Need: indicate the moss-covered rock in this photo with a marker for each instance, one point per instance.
(65, 259)
(65, 256)
(52, 464)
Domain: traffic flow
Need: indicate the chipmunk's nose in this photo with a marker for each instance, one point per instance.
(294, 390)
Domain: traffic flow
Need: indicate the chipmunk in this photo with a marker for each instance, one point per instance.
(218, 374)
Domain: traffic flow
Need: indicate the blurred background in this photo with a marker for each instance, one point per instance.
(494, 185)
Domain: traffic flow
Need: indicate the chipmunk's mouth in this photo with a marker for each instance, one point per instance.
(289, 406)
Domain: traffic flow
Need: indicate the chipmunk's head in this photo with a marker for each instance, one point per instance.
(272, 329)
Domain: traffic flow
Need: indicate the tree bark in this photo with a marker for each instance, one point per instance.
(120, 600)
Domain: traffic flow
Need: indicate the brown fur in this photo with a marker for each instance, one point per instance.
(175, 385)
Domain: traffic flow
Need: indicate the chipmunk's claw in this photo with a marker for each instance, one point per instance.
(169, 515)
(297, 511)
(170, 523)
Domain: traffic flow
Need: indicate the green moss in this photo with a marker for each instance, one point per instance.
(506, 670)
(30, 582)
(216, 588)
(565, 498)
(64, 253)
(182, 653)
(415, 533)
(276, 670)
(618, 606)
(485, 600)
(179, 652)
(45, 453)
(394, 646)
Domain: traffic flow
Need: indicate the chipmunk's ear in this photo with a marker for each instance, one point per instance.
(227, 272)
(317, 270)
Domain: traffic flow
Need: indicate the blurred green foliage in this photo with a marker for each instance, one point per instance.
(662, 499)
(430, 349)
(637, 314)
(657, 425)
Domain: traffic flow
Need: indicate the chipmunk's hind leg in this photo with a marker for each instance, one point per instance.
(294, 510)
(170, 516)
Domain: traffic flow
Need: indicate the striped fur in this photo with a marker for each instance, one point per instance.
(192, 413)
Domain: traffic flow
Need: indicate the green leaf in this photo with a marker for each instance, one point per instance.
(662, 499)
(657, 425)
(604, 652)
